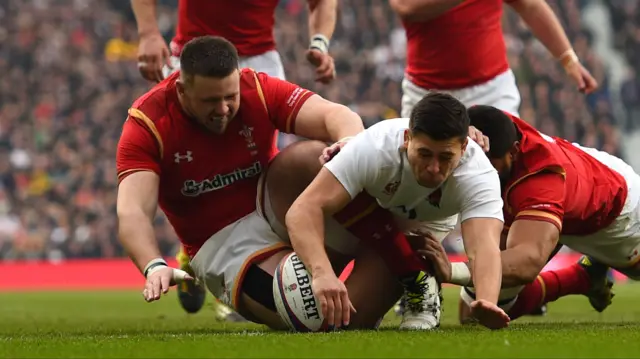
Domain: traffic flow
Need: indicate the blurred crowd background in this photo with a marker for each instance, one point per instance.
(69, 75)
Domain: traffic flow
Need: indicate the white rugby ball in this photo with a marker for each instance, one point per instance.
(294, 298)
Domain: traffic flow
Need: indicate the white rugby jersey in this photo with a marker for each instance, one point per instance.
(373, 161)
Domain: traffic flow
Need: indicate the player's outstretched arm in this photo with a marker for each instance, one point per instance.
(481, 237)
(422, 10)
(136, 208)
(324, 197)
(547, 28)
(323, 120)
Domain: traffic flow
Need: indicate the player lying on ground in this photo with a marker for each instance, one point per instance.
(250, 29)
(197, 142)
(557, 192)
(426, 171)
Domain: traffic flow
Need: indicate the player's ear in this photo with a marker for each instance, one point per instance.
(465, 143)
(407, 138)
(515, 149)
(180, 86)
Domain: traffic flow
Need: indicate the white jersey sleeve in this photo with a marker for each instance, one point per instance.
(481, 196)
(479, 186)
(356, 166)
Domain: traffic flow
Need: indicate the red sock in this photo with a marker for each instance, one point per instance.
(375, 226)
(548, 287)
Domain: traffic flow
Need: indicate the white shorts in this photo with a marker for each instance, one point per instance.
(223, 260)
(501, 92)
(269, 63)
(619, 244)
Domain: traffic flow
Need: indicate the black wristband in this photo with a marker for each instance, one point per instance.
(153, 266)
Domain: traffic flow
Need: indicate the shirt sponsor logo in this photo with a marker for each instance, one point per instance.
(193, 188)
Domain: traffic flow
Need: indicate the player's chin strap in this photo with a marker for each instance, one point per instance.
(156, 264)
(320, 42)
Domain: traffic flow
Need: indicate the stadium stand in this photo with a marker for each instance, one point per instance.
(69, 75)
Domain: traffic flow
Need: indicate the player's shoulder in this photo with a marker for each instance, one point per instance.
(474, 161)
(387, 133)
(153, 105)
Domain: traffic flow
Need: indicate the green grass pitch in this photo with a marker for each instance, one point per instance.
(122, 325)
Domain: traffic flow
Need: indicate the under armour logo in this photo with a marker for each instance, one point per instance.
(179, 157)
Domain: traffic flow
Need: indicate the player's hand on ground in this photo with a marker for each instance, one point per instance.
(433, 251)
(582, 78)
(478, 137)
(334, 300)
(489, 314)
(324, 64)
(153, 54)
(161, 279)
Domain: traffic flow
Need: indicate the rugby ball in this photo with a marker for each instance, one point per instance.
(294, 298)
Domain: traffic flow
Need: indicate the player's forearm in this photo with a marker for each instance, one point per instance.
(322, 17)
(341, 122)
(544, 24)
(305, 225)
(486, 267)
(135, 231)
(520, 266)
(145, 14)
(422, 10)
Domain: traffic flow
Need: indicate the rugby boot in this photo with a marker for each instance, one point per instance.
(600, 294)
(422, 300)
(190, 294)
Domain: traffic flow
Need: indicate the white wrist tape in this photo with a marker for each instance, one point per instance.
(320, 43)
(153, 266)
(460, 274)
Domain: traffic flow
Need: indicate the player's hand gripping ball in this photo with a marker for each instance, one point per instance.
(295, 301)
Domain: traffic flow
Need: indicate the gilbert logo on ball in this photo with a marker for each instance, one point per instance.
(294, 297)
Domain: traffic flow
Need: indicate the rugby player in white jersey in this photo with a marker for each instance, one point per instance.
(426, 171)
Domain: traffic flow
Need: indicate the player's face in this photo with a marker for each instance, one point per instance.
(432, 161)
(213, 102)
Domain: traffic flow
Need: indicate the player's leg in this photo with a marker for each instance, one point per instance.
(585, 277)
(411, 94)
(269, 62)
(500, 92)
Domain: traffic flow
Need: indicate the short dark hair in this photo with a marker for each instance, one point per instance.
(496, 125)
(440, 116)
(209, 56)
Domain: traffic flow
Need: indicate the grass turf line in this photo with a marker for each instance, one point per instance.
(121, 324)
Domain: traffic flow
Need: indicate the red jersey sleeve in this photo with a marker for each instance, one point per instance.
(283, 100)
(138, 150)
(539, 197)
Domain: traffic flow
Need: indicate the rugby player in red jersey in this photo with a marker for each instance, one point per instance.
(457, 46)
(556, 192)
(249, 25)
